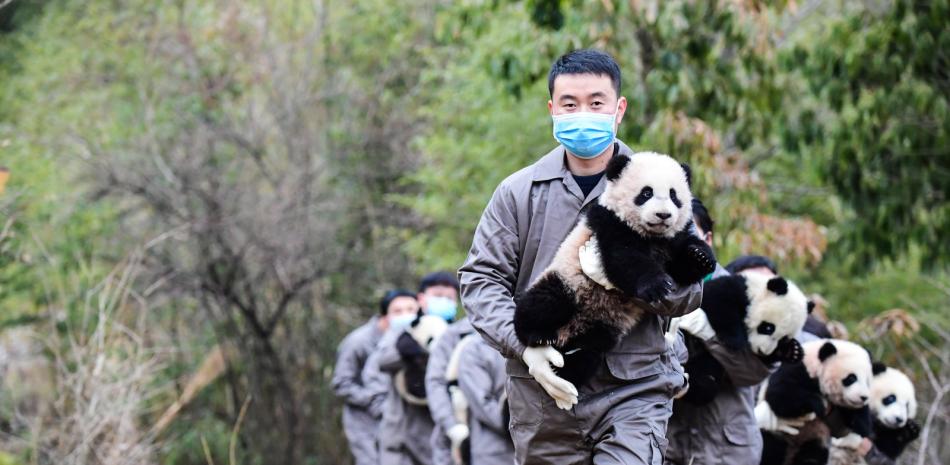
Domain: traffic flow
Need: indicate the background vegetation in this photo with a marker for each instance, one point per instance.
(204, 197)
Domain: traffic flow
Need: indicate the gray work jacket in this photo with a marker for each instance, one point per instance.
(359, 425)
(437, 389)
(483, 383)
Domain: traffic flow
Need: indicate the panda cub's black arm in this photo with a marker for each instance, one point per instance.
(791, 393)
(542, 310)
(626, 258)
(692, 259)
(892, 442)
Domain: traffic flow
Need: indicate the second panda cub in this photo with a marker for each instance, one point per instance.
(639, 238)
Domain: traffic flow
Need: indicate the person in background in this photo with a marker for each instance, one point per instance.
(359, 425)
(440, 292)
(482, 379)
(621, 414)
(814, 328)
(724, 430)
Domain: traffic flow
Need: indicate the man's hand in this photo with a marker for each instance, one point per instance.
(767, 420)
(697, 324)
(853, 442)
(539, 361)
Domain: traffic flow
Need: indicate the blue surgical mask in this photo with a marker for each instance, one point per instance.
(585, 134)
(441, 306)
(401, 322)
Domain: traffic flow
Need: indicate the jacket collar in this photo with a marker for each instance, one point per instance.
(554, 166)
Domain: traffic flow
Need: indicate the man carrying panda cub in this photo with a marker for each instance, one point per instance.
(618, 413)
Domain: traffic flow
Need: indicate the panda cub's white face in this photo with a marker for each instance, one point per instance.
(843, 370)
(892, 398)
(777, 309)
(651, 195)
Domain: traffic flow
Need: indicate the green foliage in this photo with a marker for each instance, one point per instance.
(883, 135)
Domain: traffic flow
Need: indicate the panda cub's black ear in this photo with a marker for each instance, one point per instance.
(827, 350)
(616, 165)
(878, 368)
(778, 285)
(689, 174)
(415, 321)
(811, 306)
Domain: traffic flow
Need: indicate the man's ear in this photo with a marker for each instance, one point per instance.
(827, 350)
(617, 163)
(689, 174)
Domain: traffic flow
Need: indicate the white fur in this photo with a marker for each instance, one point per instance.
(787, 312)
(661, 173)
(428, 330)
(849, 359)
(893, 382)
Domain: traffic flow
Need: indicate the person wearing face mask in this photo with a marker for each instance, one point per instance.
(621, 414)
(438, 295)
(396, 309)
(405, 423)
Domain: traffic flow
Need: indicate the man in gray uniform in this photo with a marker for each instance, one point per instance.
(447, 429)
(482, 379)
(359, 424)
(620, 415)
(724, 430)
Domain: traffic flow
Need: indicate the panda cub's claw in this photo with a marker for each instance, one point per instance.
(654, 288)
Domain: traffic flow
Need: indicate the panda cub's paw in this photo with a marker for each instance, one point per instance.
(654, 288)
(790, 350)
(703, 259)
(908, 433)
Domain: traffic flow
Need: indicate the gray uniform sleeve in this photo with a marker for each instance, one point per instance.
(476, 383)
(388, 357)
(489, 275)
(743, 367)
(377, 384)
(437, 393)
(347, 374)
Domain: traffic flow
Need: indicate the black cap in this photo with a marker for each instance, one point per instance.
(750, 261)
(439, 278)
(390, 296)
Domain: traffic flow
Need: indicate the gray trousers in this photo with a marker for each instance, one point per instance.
(615, 421)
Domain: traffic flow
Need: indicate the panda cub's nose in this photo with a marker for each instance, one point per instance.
(864, 398)
(664, 216)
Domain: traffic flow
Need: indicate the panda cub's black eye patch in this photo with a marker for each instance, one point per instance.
(675, 199)
(849, 380)
(645, 194)
(766, 328)
(889, 399)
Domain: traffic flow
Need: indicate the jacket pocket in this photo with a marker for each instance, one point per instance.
(658, 445)
(738, 434)
(629, 366)
(525, 401)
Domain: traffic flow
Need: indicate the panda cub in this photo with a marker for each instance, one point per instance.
(893, 407)
(833, 382)
(752, 312)
(413, 346)
(640, 233)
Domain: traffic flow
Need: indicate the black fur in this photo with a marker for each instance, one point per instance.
(546, 307)
(813, 452)
(646, 267)
(878, 368)
(726, 303)
(892, 442)
(788, 350)
(415, 358)
(791, 393)
(774, 448)
(689, 174)
(857, 420)
(778, 285)
(705, 372)
(827, 350)
(616, 164)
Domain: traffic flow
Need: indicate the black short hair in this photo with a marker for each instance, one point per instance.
(701, 215)
(585, 61)
(750, 261)
(438, 278)
(390, 296)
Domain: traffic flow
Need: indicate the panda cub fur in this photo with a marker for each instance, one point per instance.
(893, 406)
(414, 346)
(833, 382)
(753, 312)
(641, 229)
